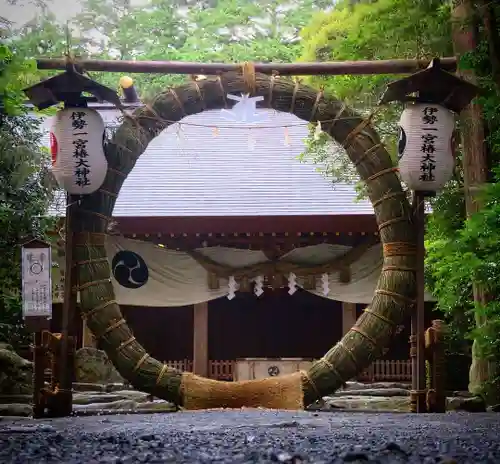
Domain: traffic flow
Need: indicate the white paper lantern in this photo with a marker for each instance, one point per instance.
(426, 158)
(78, 160)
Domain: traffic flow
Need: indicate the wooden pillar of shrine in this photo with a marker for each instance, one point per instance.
(200, 339)
(348, 316)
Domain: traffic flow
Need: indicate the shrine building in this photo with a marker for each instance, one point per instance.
(252, 255)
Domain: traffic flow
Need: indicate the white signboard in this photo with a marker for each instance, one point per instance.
(37, 282)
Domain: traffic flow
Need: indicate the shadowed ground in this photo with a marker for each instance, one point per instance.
(254, 436)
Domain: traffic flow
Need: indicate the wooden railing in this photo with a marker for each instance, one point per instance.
(379, 371)
(387, 371)
(181, 364)
(221, 370)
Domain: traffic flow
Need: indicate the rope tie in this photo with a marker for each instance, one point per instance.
(399, 249)
(140, 362)
(248, 73)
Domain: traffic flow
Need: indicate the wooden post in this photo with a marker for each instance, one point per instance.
(40, 323)
(65, 387)
(439, 361)
(475, 166)
(200, 339)
(436, 383)
(39, 362)
(348, 316)
(417, 339)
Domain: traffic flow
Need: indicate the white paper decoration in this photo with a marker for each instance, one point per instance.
(78, 160)
(259, 284)
(292, 283)
(233, 286)
(426, 158)
(325, 284)
(245, 110)
(318, 131)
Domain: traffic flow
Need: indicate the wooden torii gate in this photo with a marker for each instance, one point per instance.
(276, 69)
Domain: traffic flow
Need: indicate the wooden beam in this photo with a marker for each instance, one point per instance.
(200, 339)
(283, 69)
(285, 244)
(293, 224)
(348, 316)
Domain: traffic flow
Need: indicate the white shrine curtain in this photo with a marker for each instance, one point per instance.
(176, 279)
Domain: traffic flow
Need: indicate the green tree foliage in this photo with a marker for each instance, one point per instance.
(462, 251)
(24, 194)
(376, 30)
(371, 30)
(178, 30)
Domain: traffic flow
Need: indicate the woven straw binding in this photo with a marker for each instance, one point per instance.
(389, 196)
(126, 343)
(399, 249)
(380, 317)
(396, 295)
(91, 261)
(392, 221)
(364, 335)
(141, 361)
(383, 172)
(92, 284)
(127, 145)
(319, 96)
(113, 327)
(95, 310)
(366, 154)
(349, 353)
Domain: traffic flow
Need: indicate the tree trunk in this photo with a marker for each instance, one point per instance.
(490, 22)
(475, 166)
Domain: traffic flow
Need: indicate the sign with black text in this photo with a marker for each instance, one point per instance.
(37, 282)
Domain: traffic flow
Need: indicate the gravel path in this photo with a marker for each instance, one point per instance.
(254, 436)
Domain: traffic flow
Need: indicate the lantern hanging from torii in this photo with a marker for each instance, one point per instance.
(77, 134)
(76, 143)
(427, 125)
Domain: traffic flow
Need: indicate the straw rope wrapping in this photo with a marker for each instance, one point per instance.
(396, 286)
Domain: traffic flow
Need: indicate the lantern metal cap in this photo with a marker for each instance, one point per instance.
(33, 242)
(433, 85)
(128, 90)
(68, 88)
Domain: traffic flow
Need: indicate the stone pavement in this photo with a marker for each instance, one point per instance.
(254, 436)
